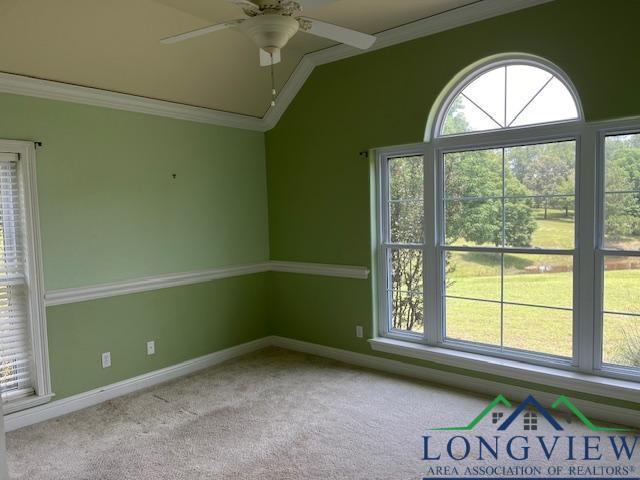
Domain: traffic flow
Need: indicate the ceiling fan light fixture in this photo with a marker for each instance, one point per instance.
(270, 32)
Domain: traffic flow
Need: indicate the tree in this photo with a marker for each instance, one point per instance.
(469, 178)
(545, 170)
(622, 210)
(406, 226)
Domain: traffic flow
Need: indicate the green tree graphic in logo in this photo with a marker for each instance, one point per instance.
(500, 399)
(530, 400)
(562, 400)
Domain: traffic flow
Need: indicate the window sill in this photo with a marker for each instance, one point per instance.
(23, 403)
(513, 369)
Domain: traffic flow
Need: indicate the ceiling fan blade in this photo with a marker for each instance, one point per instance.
(266, 59)
(201, 31)
(245, 4)
(339, 34)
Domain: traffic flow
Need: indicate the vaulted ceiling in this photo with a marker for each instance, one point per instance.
(114, 45)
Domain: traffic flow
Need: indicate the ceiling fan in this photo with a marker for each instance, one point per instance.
(272, 23)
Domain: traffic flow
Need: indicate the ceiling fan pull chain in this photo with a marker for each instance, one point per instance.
(273, 83)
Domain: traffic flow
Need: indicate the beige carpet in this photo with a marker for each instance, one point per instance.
(270, 415)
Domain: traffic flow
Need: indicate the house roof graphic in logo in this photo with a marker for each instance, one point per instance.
(529, 403)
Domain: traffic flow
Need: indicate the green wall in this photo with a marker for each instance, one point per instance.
(185, 322)
(111, 210)
(383, 98)
(109, 207)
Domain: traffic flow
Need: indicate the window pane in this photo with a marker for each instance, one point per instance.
(545, 280)
(487, 92)
(463, 116)
(406, 176)
(407, 221)
(542, 330)
(622, 162)
(553, 104)
(621, 340)
(476, 173)
(406, 271)
(407, 312)
(622, 192)
(542, 169)
(523, 81)
(473, 222)
(538, 187)
(473, 321)
(622, 284)
(540, 222)
(473, 275)
(622, 221)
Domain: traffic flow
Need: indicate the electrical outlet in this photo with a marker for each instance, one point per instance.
(151, 348)
(359, 331)
(106, 359)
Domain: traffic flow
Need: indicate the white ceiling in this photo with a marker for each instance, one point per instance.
(114, 45)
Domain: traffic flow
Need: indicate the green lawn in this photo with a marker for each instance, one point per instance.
(538, 280)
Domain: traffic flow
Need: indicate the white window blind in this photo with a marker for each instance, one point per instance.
(15, 344)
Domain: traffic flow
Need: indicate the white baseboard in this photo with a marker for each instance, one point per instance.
(595, 411)
(57, 408)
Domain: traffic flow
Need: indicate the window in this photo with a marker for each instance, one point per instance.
(405, 217)
(507, 246)
(494, 237)
(620, 252)
(24, 378)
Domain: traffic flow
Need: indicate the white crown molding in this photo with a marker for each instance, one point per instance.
(156, 282)
(33, 87)
(57, 408)
(289, 91)
(458, 17)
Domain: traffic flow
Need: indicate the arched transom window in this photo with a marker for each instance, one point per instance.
(507, 96)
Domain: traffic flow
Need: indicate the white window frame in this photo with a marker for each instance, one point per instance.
(585, 370)
(34, 279)
(607, 129)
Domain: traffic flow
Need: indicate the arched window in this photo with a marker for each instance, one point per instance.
(479, 224)
(507, 95)
(513, 231)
